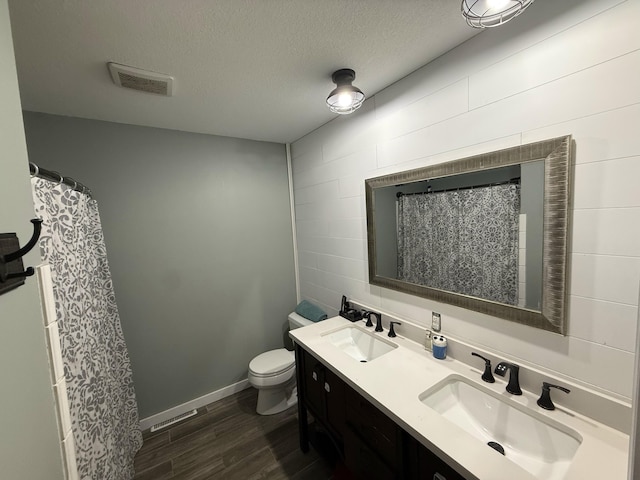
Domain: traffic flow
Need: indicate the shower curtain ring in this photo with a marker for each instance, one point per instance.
(61, 178)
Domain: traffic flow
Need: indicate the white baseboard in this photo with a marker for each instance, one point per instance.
(146, 423)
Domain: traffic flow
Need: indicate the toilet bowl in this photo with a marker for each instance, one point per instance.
(273, 373)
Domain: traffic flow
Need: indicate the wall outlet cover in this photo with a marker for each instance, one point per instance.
(436, 322)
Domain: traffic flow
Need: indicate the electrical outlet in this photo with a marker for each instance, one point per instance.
(436, 322)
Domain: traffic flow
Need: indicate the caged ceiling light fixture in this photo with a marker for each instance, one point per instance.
(345, 98)
(492, 13)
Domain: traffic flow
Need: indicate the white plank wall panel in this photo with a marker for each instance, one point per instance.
(569, 67)
(587, 323)
(544, 62)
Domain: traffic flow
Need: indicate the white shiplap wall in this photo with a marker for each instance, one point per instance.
(570, 67)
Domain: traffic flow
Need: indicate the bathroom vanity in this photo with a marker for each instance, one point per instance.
(374, 446)
(390, 407)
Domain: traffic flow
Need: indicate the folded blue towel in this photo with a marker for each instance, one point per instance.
(310, 311)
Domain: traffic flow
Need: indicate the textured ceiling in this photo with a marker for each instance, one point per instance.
(258, 69)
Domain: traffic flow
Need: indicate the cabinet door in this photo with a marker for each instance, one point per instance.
(379, 431)
(314, 385)
(362, 461)
(334, 394)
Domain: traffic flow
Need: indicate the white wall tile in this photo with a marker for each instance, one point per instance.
(613, 279)
(582, 47)
(608, 184)
(346, 267)
(606, 323)
(441, 105)
(602, 136)
(610, 231)
(307, 259)
(348, 228)
(315, 193)
(488, 48)
(566, 98)
(69, 449)
(62, 402)
(47, 299)
(55, 353)
(312, 228)
(306, 161)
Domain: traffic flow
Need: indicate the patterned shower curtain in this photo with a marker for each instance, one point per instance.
(102, 400)
(463, 241)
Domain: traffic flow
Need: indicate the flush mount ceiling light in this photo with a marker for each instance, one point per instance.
(345, 98)
(492, 13)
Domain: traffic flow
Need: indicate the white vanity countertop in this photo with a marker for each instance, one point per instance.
(394, 381)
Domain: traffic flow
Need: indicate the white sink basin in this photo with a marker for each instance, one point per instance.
(537, 444)
(359, 344)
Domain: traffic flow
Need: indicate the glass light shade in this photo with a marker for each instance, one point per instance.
(345, 99)
(492, 13)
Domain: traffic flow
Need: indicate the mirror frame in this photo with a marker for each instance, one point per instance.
(558, 155)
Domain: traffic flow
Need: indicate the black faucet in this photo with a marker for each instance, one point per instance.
(392, 332)
(378, 321)
(545, 397)
(367, 314)
(487, 376)
(513, 387)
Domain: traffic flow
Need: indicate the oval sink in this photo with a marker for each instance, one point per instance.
(534, 443)
(359, 344)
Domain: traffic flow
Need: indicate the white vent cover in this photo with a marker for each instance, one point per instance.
(142, 80)
(172, 420)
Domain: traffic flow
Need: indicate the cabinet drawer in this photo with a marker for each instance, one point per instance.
(362, 461)
(377, 430)
(430, 466)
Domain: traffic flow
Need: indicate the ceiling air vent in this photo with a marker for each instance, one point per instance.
(142, 80)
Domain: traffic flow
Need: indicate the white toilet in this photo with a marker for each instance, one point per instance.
(273, 373)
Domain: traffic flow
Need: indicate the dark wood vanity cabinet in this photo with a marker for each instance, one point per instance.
(372, 445)
(323, 393)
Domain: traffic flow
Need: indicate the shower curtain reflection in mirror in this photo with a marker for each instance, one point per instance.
(463, 241)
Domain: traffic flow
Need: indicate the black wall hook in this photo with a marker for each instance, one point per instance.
(12, 272)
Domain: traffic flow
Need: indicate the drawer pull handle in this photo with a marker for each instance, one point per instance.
(314, 375)
(437, 476)
(327, 387)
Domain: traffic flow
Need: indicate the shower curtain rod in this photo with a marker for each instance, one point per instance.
(56, 177)
(514, 181)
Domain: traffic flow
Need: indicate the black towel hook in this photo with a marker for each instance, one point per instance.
(11, 257)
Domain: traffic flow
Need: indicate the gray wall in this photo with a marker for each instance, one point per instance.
(29, 442)
(199, 238)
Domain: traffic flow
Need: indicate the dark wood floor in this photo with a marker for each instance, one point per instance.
(229, 440)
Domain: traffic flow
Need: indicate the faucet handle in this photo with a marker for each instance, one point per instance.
(367, 314)
(545, 397)
(392, 332)
(487, 376)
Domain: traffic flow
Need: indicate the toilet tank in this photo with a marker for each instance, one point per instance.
(297, 321)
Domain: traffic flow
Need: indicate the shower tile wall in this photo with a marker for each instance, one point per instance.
(562, 68)
(57, 371)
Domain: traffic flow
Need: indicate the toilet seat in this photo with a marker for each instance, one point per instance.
(272, 363)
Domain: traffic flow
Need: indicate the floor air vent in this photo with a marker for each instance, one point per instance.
(171, 421)
(141, 80)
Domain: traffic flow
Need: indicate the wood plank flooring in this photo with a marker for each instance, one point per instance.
(229, 440)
